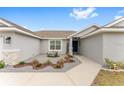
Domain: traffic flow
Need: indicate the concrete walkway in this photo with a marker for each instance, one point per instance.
(83, 74)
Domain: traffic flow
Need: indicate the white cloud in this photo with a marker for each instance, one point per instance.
(117, 17)
(79, 13)
(119, 14)
(94, 14)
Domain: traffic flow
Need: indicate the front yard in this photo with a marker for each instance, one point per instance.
(42, 63)
(109, 78)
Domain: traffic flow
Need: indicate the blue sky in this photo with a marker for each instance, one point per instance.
(70, 18)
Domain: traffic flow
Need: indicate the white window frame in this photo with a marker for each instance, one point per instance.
(55, 49)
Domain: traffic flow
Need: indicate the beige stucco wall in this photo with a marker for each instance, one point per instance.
(8, 56)
(28, 46)
(45, 46)
(22, 47)
(91, 47)
(7, 34)
(114, 46)
(103, 45)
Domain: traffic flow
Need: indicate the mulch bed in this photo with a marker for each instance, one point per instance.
(21, 65)
(36, 65)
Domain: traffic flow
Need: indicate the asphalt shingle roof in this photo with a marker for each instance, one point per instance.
(54, 34)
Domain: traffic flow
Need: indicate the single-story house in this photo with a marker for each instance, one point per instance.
(18, 43)
(95, 42)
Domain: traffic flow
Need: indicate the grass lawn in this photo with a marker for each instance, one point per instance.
(108, 78)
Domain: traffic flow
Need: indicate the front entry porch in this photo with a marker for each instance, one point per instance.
(74, 45)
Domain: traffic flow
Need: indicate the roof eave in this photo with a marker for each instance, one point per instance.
(107, 30)
(13, 29)
(53, 38)
(94, 25)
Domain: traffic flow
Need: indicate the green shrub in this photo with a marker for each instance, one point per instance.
(21, 62)
(110, 62)
(2, 64)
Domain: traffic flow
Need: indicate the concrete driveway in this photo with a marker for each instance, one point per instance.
(83, 74)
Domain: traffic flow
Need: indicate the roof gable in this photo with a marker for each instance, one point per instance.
(117, 23)
(85, 31)
(8, 24)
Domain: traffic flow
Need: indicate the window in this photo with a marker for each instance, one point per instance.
(55, 45)
(58, 45)
(7, 40)
(52, 45)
